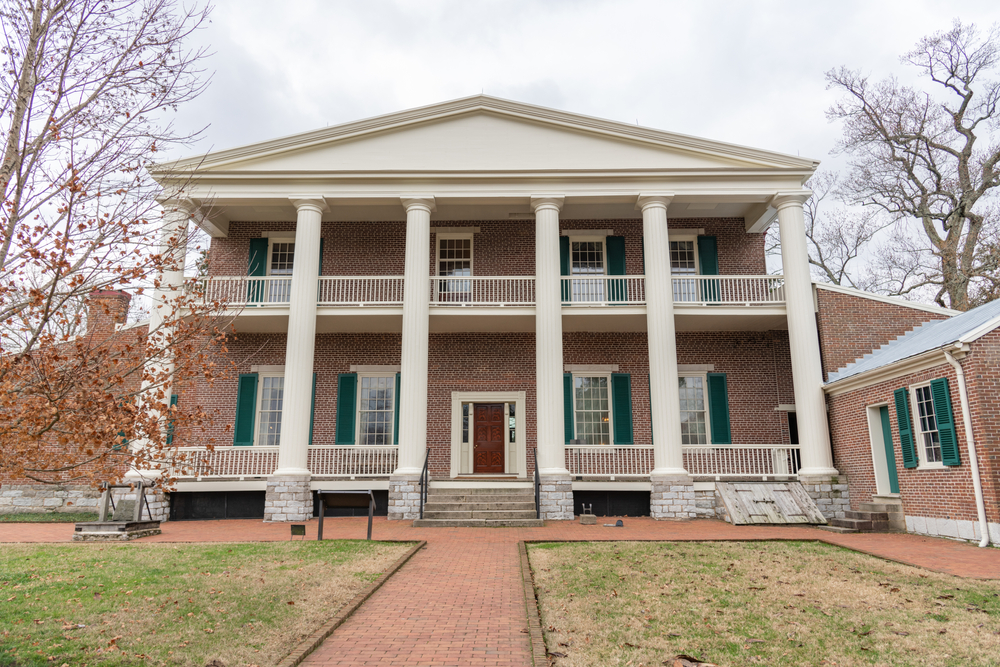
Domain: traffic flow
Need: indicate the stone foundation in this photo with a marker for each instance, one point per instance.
(829, 493)
(673, 498)
(404, 497)
(288, 498)
(555, 497)
(23, 498)
(956, 529)
(708, 505)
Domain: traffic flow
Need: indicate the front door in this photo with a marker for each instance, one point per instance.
(488, 444)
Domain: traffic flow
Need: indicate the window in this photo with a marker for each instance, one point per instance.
(592, 409)
(270, 402)
(376, 408)
(587, 262)
(454, 261)
(684, 262)
(694, 410)
(926, 424)
(280, 262)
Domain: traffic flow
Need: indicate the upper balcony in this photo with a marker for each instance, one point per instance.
(506, 303)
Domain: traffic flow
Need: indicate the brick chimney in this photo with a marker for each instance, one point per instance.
(107, 308)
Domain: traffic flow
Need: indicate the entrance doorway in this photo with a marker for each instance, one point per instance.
(488, 442)
(883, 456)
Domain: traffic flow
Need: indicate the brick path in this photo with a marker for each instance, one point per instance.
(460, 601)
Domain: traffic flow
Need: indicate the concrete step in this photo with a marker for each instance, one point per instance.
(837, 529)
(461, 499)
(478, 523)
(473, 514)
(861, 525)
(478, 491)
(492, 506)
(882, 507)
(867, 516)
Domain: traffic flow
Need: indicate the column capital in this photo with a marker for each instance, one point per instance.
(547, 201)
(179, 205)
(306, 202)
(419, 201)
(645, 200)
(793, 198)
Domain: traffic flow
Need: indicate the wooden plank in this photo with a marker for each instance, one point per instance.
(765, 502)
(786, 504)
(746, 499)
(737, 514)
(805, 501)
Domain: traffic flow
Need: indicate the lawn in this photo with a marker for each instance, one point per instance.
(164, 604)
(773, 603)
(48, 517)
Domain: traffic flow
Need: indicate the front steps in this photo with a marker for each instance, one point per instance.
(884, 516)
(492, 506)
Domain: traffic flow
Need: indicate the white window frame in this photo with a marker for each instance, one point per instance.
(588, 238)
(450, 236)
(697, 260)
(920, 449)
(611, 406)
(259, 403)
(271, 240)
(357, 408)
(704, 394)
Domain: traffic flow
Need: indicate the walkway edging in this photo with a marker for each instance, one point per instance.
(312, 642)
(539, 657)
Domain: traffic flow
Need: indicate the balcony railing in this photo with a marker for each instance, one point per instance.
(720, 461)
(603, 290)
(483, 291)
(361, 290)
(730, 290)
(262, 461)
(248, 290)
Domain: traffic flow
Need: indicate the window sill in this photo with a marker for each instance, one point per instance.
(930, 466)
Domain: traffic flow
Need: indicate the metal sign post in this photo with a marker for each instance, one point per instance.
(346, 499)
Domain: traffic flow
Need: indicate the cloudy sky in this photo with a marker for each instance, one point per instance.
(747, 72)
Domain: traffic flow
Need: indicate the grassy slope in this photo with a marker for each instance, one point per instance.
(163, 604)
(774, 603)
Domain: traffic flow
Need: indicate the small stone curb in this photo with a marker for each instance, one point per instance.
(539, 657)
(312, 642)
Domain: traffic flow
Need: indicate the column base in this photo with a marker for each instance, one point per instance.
(672, 498)
(404, 497)
(555, 497)
(288, 498)
(829, 492)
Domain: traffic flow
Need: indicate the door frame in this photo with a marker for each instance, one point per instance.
(880, 463)
(515, 456)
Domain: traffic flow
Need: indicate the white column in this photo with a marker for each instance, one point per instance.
(551, 434)
(803, 338)
(300, 344)
(416, 311)
(661, 338)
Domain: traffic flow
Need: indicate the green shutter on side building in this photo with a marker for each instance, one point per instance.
(945, 422)
(905, 431)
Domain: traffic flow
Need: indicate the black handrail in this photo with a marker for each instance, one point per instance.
(424, 482)
(538, 487)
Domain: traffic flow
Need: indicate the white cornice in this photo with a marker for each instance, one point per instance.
(887, 299)
(914, 364)
(487, 104)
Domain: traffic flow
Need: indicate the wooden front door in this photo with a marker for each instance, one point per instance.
(487, 452)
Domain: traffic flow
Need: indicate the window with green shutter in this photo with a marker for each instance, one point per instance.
(906, 443)
(718, 408)
(945, 422)
(621, 406)
(246, 410)
(347, 385)
(170, 424)
(569, 419)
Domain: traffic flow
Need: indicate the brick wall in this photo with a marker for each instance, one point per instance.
(852, 326)
(982, 377)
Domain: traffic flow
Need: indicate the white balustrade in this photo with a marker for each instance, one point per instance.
(248, 290)
(742, 460)
(609, 461)
(731, 290)
(198, 462)
(604, 290)
(361, 290)
(483, 291)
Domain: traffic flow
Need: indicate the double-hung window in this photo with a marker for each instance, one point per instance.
(684, 262)
(454, 261)
(926, 425)
(592, 409)
(587, 262)
(376, 408)
(694, 410)
(270, 401)
(281, 258)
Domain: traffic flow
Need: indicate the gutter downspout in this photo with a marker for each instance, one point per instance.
(977, 483)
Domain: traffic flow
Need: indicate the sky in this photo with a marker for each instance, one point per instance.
(745, 72)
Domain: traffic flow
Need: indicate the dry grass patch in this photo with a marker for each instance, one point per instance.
(740, 603)
(163, 604)
(48, 517)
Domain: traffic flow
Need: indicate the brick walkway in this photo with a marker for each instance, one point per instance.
(460, 601)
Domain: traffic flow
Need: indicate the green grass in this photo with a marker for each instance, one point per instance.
(774, 603)
(48, 517)
(163, 604)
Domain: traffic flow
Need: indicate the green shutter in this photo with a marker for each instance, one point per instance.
(321, 256)
(395, 416)
(708, 261)
(890, 455)
(945, 422)
(347, 387)
(616, 267)
(718, 408)
(621, 406)
(905, 431)
(170, 424)
(257, 266)
(312, 411)
(568, 420)
(564, 265)
(649, 388)
(642, 244)
(246, 409)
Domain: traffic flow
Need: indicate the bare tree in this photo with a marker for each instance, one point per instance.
(85, 96)
(931, 157)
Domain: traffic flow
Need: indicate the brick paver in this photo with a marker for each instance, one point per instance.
(460, 600)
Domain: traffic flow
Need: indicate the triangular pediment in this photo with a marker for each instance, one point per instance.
(485, 134)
